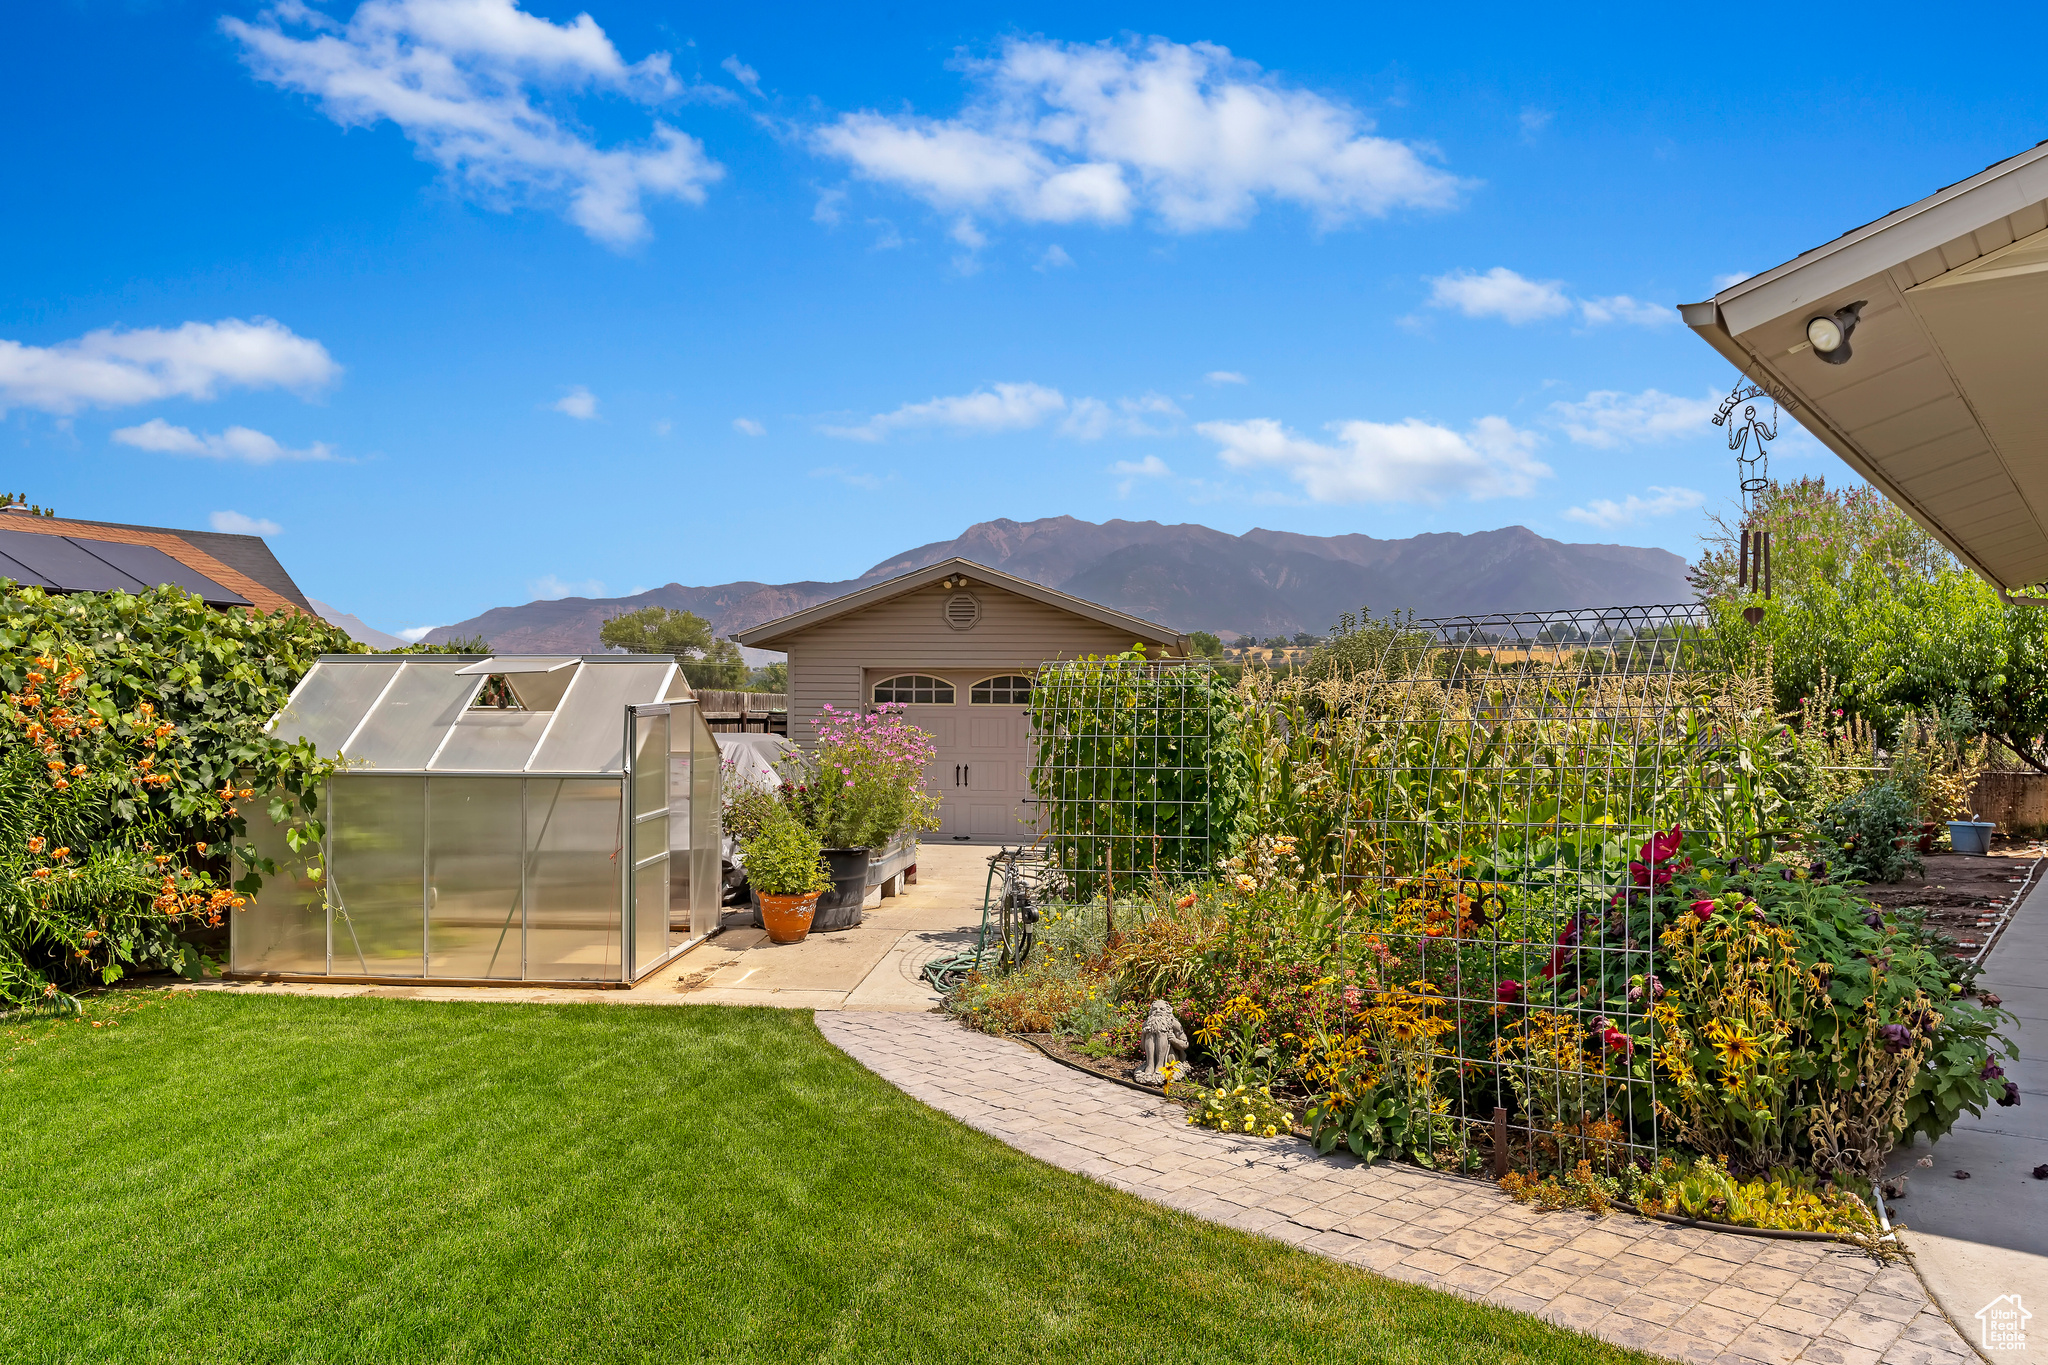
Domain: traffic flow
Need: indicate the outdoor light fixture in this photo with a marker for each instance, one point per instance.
(1829, 333)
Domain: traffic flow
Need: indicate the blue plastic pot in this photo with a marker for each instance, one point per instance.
(1970, 836)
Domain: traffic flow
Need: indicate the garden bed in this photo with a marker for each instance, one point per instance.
(1966, 898)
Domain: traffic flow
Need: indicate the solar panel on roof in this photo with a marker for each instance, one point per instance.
(150, 565)
(63, 565)
(22, 574)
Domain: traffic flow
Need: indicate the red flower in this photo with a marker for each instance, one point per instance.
(1704, 909)
(1567, 940)
(1662, 846)
(1617, 1041)
(1507, 992)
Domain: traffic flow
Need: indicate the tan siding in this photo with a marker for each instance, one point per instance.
(909, 634)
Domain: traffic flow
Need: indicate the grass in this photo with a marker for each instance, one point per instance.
(250, 1178)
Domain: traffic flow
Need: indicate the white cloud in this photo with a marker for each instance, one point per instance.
(1730, 281)
(663, 426)
(548, 588)
(236, 443)
(1225, 377)
(998, 408)
(1608, 419)
(1090, 419)
(412, 635)
(1410, 461)
(1500, 293)
(1151, 467)
(1534, 121)
(747, 426)
(1055, 258)
(1001, 408)
(1622, 308)
(117, 368)
(739, 71)
(1606, 512)
(1068, 132)
(235, 524)
(470, 83)
(579, 403)
(1515, 299)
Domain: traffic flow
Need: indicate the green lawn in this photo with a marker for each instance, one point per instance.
(267, 1178)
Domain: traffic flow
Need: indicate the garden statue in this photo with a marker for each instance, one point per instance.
(1165, 1044)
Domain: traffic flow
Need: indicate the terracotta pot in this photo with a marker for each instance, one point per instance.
(788, 918)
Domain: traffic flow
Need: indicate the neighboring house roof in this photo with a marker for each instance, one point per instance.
(243, 565)
(771, 634)
(1939, 403)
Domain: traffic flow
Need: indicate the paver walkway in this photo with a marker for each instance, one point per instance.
(1678, 1292)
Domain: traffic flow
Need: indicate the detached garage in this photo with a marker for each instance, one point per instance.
(957, 645)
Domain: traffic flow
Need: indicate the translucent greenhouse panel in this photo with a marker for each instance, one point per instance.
(284, 926)
(650, 764)
(332, 701)
(680, 765)
(706, 884)
(650, 785)
(490, 740)
(650, 912)
(589, 730)
(475, 927)
(377, 878)
(409, 723)
(572, 879)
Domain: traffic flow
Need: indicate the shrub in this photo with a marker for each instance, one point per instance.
(1870, 834)
(785, 859)
(864, 783)
(131, 735)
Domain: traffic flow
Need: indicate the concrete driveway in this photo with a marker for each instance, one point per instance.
(1980, 1240)
(872, 966)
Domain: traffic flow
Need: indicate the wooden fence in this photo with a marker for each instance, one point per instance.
(760, 712)
(2018, 802)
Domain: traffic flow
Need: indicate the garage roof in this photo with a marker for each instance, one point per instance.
(1941, 404)
(771, 634)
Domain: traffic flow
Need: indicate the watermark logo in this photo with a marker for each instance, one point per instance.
(2004, 1322)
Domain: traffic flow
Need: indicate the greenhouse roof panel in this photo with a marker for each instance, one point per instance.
(405, 728)
(418, 713)
(588, 734)
(332, 699)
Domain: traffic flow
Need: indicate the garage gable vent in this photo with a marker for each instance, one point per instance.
(963, 609)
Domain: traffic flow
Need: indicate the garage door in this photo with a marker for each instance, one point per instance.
(982, 771)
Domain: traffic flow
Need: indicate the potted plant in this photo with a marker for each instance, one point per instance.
(783, 867)
(862, 786)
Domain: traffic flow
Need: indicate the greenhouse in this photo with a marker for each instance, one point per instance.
(495, 819)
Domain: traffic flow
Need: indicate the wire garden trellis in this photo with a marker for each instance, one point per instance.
(1494, 804)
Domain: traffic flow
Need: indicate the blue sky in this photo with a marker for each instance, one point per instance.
(476, 302)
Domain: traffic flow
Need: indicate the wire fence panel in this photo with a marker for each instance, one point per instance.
(1133, 769)
(1507, 821)
(1490, 806)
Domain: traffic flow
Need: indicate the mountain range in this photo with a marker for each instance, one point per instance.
(1189, 577)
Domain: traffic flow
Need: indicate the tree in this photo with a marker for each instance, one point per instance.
(770, 678)
(707, 660)
(1862, 594)
(1205, 645)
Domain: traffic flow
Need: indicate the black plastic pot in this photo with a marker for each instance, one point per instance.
(839, 908)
